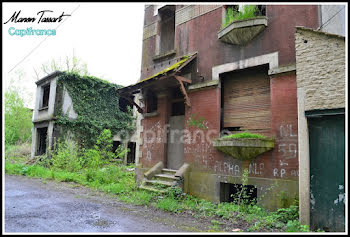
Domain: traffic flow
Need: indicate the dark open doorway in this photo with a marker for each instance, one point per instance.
(42, 137)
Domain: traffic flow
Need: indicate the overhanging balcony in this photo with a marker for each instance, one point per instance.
(240, 32)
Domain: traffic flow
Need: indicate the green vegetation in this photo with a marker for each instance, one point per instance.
(18, 119)
(232, 14)
(172, 67)
(99, 169)
(245, 134)
(69, 64)
(197, 122)
(97, 104)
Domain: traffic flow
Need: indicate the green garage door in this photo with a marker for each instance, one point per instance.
(327, 168)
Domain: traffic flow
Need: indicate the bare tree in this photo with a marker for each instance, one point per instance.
(72, 64)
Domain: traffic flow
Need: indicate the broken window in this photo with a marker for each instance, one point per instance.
(41, 141)
(151, 102)
(124, 104)
(238, 193)
(167, 28)
(46, 96)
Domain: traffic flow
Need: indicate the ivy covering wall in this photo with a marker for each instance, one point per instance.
(97, 104)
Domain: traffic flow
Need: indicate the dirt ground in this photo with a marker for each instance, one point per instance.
(36, 205)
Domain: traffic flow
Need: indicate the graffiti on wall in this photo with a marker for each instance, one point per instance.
(287, 150)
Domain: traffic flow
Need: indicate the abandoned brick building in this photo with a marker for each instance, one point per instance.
(200, 81)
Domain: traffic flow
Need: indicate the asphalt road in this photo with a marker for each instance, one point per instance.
(34, 205)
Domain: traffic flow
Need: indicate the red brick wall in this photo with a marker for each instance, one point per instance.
(200, 35)
(199, 151)
(285, 125)
(281, 162)
(154, 136)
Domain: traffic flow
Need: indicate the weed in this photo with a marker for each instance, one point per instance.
(286, 214)
(283, 198)
(195, 122)
(232, 14)
(175, 192)
(215, 225)
(168, 204)
(294, 226)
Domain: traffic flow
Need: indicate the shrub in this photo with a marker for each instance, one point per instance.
(286, 214)
(104, 145)
(90, 158)
(65, 157)
(294, 226)
(18, 119)
(101, 154)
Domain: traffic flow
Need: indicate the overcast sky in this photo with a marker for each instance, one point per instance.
(107, 36)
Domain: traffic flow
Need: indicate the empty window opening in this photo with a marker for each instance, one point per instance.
(261, 10)
(167, 28)
(177, 94)
(151, 102)
(234, 193)
(178, 108)
(46, 95)
(115, 145)
(131, 153)
(124, 104)
(42, 137)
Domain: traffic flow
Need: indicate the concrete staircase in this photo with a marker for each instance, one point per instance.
(159, 182)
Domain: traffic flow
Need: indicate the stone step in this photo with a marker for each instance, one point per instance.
(169, 171)
(165, 177)
(151, 188)
(160, 182)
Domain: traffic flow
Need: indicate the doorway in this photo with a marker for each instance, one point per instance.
(175, 152)
(327, 171)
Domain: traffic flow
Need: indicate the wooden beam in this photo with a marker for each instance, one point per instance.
(183, 90)
(128, 98)
(183, 79)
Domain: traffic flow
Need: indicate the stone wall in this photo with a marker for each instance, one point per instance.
(320, 66)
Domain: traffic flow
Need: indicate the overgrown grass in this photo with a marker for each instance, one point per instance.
(244, 135)
(248, 11)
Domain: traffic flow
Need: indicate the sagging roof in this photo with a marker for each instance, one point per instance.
(167, 72)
